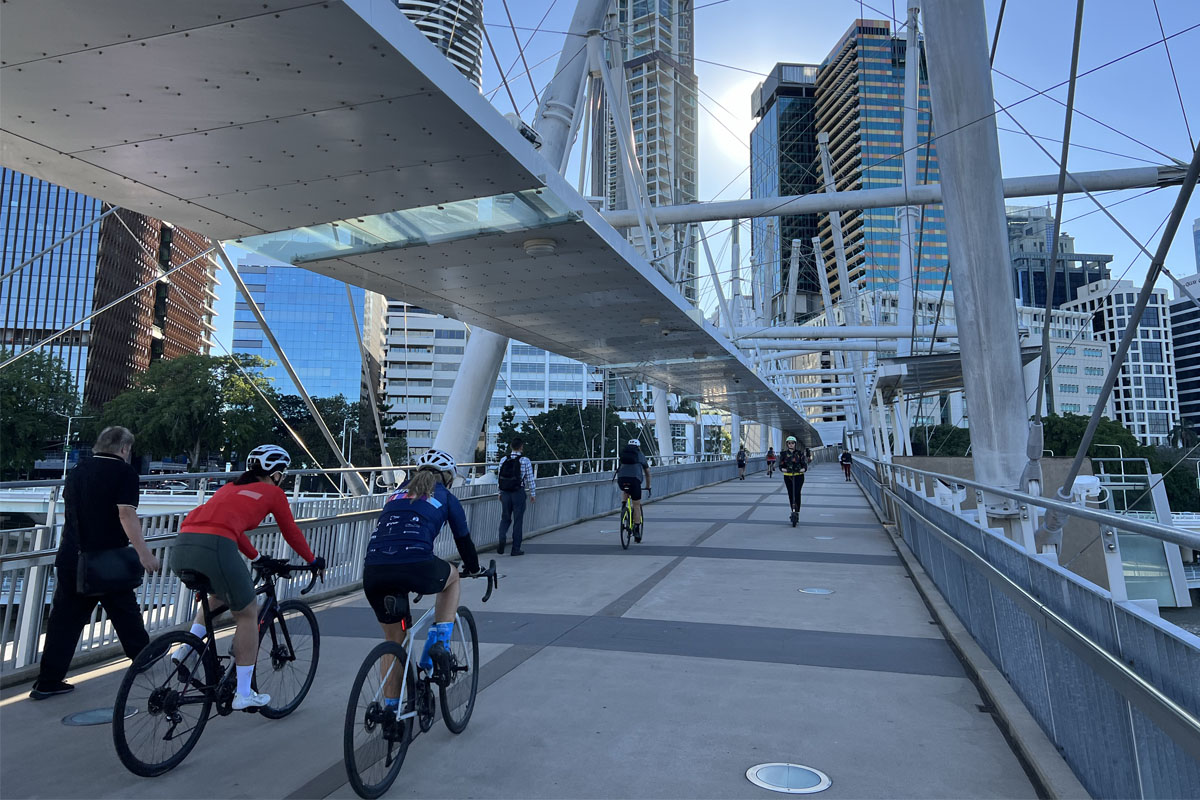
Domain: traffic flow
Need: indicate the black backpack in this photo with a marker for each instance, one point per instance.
(631, 455)
(509, 478)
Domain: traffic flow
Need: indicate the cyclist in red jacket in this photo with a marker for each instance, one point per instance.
(210, 538)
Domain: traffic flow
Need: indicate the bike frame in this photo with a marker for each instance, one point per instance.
(409, 640)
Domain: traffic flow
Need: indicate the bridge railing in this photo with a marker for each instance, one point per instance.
(1115, 687)
(337, 528)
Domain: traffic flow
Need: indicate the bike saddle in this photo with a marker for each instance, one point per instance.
(196, 581)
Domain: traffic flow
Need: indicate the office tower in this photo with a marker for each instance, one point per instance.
(1030, 233)
(1185, 336)
(860, 91)
(423, 356)
(1145, 399)
(651, 49)
(1196, 243)
(100, 264)
(455, 27)
(783, 162)
(314, 322)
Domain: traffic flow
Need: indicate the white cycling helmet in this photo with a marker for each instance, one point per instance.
(269, 458)
(441, 461)
(634, 443)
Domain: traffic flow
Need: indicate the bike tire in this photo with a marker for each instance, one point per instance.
(626, 526)
(288, 666)
(458, 698)
(367, 726)
(154, 685)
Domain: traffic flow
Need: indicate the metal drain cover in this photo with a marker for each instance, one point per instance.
(789, 778)
(95, 716)
(822, 537)
(815, 590)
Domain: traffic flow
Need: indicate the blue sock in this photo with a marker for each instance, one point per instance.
(391, 702)
(445, 631)
(426, 663)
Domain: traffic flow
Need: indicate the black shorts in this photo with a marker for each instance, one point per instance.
(381, 581)
(631, 487)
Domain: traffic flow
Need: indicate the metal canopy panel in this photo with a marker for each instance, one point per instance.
(940, 372)
(236, 119)
(233, 118)
(594, 299)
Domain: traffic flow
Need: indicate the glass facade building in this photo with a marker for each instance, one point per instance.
(859, 103)
(1185, 335)
(56, 289)
(312, 320)
(1030, 233)
(783, 162)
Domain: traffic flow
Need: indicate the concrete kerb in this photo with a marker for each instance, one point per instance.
(112, 652)
(1047, 769)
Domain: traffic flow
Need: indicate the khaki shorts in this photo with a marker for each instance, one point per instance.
(218, 559)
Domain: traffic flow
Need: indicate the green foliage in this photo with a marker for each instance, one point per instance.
(717, 440)
(565, 432)
(32, 392)
(941, 440)
(1062, 435)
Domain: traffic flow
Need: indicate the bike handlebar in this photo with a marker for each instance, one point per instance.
(284, 569)
(493, 580)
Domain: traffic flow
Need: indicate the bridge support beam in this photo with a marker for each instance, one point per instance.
(466, 408)
(662, 423)
(969, 156)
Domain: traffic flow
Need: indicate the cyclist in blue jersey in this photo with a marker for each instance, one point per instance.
(400, 557)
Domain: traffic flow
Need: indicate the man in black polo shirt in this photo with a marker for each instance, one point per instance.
(101, 496)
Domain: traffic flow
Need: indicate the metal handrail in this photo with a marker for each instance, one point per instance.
(1156, 530)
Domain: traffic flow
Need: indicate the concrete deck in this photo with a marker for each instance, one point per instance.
(662, 671)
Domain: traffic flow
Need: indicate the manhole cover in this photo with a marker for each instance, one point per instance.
(788, 778)
(822, 537)
(95, 716)
(815, 590)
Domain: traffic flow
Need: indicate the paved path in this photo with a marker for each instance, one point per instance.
(663, 671)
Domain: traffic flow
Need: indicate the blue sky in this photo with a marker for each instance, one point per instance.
(1136, 96)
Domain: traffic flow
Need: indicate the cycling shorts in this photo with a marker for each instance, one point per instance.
(381, 581)
(216, 558)
(631, 487)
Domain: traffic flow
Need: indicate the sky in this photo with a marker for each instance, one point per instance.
(1139, 116)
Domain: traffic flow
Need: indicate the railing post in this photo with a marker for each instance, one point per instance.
(1114, 569)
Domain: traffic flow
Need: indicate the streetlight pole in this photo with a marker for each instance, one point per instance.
(67, 441)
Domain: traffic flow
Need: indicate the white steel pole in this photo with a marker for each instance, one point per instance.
(793, 276)
(908, 217)
(466, 408)
(969, 157)
(662, 424)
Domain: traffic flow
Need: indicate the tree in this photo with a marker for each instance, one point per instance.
(1062, 435)
(33, 391)
(717, 441)
(941, 440)
(1184, 435)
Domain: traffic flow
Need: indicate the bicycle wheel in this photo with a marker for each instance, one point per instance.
(289, 645)
(172, 700)
(375, 742)
(458, 696)
(626, 525)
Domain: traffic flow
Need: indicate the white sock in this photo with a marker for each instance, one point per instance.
(244, 676)
(184, 650)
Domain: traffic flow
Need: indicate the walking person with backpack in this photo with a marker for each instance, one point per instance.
(515, 478)
(741, 463)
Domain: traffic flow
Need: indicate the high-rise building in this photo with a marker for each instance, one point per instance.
(651, 47)
(860, 94)
(1030, 232)
(100, 264)
(455, 27)
(424, 354)
(1145, 399)
(783, 162)
(314, 324)
(1185, 336)
(1196, 243)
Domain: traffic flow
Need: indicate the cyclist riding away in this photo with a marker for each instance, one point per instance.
(400, 558)
(208, 543)
(770, 461)
(846, 460)
(632, 469)
(741, 463)
(793, 465)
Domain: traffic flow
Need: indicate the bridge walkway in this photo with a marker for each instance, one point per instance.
(663, 671)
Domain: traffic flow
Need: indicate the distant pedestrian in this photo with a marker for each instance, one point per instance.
(515, 478)
(741, 462)
(101, 496)
(846, 460)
